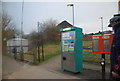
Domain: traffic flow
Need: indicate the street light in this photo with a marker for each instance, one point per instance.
(72, 5)
(103, 54)
(101, 18)
(21, 47)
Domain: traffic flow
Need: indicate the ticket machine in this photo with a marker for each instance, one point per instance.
(71, 45)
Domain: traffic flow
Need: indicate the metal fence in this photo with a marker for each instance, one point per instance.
(88, 56)
(26, 57)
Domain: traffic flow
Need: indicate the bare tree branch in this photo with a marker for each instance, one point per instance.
(6, 20)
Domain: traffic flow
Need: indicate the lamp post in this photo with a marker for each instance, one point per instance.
(101, 18)
(72, 5)
(21, 47)
(103, 54)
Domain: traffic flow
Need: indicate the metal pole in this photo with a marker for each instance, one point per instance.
(103, 55)
(21, 52)
(103, 66)
(102, 25)
(73, 13)
(72, 5)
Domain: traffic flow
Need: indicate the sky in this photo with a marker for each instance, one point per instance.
(87, 14)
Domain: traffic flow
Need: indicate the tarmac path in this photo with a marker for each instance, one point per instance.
(50, 69)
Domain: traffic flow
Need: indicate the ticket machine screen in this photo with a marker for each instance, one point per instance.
(68, 41)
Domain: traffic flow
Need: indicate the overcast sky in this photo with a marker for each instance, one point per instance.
(87, 14)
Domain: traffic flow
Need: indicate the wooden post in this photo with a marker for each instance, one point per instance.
(42, 48)
(38, 43)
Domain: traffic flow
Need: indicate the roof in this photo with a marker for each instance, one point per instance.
(64, 24)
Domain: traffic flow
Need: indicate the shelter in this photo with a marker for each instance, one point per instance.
(15, 44)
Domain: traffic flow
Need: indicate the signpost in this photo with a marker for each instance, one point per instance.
(102, 45)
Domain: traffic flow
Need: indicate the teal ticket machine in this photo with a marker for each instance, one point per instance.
(71, 46)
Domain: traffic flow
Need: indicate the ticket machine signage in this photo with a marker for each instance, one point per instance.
(102, 43)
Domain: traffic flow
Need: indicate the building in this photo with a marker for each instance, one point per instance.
(15, 44)
(64, 24)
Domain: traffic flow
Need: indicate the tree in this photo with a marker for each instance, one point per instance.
(49, 30)
(32, 37)
(8, 30)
